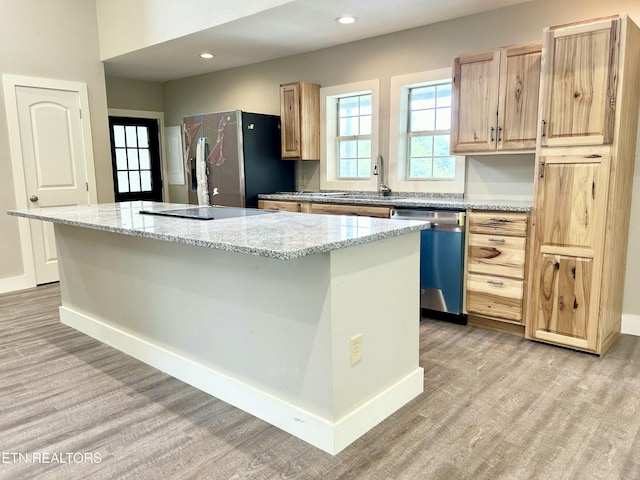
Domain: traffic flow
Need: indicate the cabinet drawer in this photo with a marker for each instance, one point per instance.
(495, 297)
(282, 205)
(496, 255)
(345, 209)
(499, 223)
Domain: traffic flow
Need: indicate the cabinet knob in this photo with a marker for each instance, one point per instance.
(33, 198)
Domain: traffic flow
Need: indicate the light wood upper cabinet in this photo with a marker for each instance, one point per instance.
(495, 100)
(300, 121)
(579, 88)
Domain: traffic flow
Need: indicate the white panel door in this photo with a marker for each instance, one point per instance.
(54, 165)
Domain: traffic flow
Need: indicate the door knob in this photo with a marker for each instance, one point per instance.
(33, 198)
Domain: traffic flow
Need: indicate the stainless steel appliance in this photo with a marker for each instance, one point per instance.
(441, 261)
(234, 156)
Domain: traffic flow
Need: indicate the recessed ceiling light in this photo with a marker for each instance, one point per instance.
(207, 55)
(346, 19)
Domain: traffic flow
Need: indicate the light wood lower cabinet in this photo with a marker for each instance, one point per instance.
(284, 205)
(342, 209)
(495, 270)
(326, 208)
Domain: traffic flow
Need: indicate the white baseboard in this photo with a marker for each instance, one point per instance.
(631, 324)
(13, 284)
(328, 435)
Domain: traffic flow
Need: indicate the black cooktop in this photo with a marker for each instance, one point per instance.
(207, 212)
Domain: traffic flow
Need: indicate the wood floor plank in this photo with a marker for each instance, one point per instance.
(495, 406)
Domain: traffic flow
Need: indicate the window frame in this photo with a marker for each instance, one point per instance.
(329, 178)
(398, 137)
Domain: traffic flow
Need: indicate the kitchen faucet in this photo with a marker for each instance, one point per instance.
(378, 169)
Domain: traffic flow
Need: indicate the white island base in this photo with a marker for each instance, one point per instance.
(271, 337)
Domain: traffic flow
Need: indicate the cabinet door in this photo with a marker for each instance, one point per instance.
(564, 310)
(518, 97)
(571, 200)
(475, 102)
(570, 206)
(579, 83)
(290, 120)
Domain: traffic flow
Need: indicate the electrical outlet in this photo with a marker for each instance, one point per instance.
(356, 349)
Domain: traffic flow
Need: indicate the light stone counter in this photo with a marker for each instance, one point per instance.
(211, 302)
(281, 235)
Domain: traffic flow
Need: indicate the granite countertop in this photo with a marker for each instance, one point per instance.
(402, 200)
(281, 235)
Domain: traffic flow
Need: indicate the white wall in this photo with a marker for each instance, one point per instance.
(126, 26)
(56, 40)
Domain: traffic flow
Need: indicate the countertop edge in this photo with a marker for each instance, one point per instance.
(262, 252)
(409, 202)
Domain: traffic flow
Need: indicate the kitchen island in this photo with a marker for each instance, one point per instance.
(309, 322)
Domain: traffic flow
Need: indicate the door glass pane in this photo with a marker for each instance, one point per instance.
(123, 182)
(145, 162)
(145, 180)
(143, 137)
(134, 181)
(133, 159)
(118, 135)
(131, 136)
(121, 159)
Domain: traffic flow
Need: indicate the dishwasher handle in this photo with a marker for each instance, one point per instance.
(438, 219)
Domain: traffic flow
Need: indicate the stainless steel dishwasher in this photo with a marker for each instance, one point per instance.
(441, 261)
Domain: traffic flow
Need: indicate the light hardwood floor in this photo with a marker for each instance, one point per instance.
(494, 407)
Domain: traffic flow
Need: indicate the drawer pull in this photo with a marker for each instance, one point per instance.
(497, 240)
(499, 219)
(493, 282)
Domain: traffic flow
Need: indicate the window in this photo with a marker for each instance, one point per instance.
(136, 159)
(428, 137)
(353, 140)
(419, 138)
(349, 136)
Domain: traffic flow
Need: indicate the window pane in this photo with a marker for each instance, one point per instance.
(444, 167)
(348, 149)
(145, 162)
(145, 180)
(118, 136)
(420, 146)
(134, 181)
(365, 125)
(364, 167)
(443, 118)
(348, 106)
(444, 95)
(441, 145)
(365, 105)
(420, 168)
(348, 168)
(422, 120)
(364, 149)
(121, 158)
(131, 136)
(123, 182)
(132, 153)
(143, 137)
(422, 98)
(348, 126)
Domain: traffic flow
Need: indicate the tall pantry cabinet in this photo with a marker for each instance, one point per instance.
(589, 103)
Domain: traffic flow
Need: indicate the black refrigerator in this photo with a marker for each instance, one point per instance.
(233, 156)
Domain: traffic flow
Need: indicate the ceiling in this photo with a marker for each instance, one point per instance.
(293, 28)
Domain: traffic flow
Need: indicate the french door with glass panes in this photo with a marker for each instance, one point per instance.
(135, 156)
